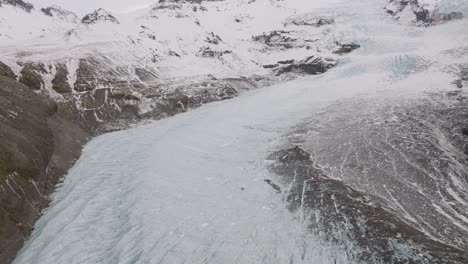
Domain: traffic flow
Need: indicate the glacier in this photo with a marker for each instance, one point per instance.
(191, 188)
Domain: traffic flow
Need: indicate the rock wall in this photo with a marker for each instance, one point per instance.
(37, 146)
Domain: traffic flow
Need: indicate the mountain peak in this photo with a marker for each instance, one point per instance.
(99, 15)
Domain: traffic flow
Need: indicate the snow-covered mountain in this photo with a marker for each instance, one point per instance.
(111, 68)
(189, 50)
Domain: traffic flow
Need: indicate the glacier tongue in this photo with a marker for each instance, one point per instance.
(189, 188)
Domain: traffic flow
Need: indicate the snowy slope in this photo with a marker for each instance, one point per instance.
(145, 39)
(112, 69)
(174, 39)
(161, 50)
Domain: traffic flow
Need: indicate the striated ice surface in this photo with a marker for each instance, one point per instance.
(191, 188)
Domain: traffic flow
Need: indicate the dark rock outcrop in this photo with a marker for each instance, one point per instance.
(56, 11)
(85, 76)
(207, 52)
(276, 38)
(396, 6)
(284, 39)
(37, 145)
(345, 48)
(312, 65)
(464, 131)
(295, 154)
(18, 3)
(217, 90)
(146, 75)
(98, 16)
(214, 39)
(6, 71)
(31, 75)
(60, 82)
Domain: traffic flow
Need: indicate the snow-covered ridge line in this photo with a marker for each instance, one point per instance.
(136, 55)
(98, 63)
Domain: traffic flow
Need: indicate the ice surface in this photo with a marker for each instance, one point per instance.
(190, 189)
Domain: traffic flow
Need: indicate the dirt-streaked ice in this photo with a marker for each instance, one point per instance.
(190, 189)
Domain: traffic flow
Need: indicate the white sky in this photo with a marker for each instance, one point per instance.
(82, 7)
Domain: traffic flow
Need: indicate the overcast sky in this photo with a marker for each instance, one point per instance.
(82, 7)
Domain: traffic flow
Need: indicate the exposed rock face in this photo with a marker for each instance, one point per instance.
(105, 99)
(285, 39)
(146, 75)
(214, 39)
(311, 65)
(277, 38)
(18, 3)
(38, 145)
(220, 90)
(345, 48)
(60, 82)
(56, 11)
(98, 16)
(86, 79)
(308, 20)
(31, 75)
(207, 52)
(396, 6)
(6, 71)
